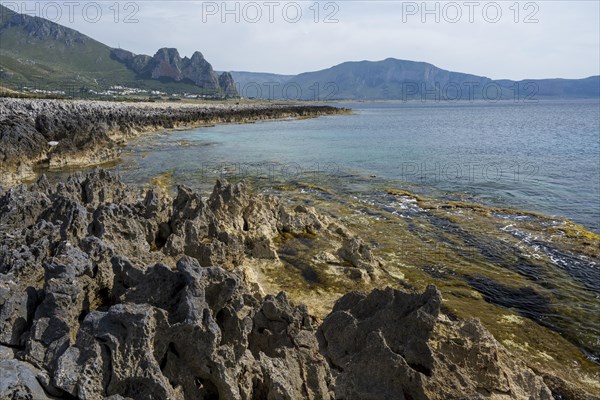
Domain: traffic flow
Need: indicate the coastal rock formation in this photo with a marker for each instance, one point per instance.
(227, 85)
(199, 335)
(106, 293)
(198, 70)
(18, 379)
(136, 62)
(394, 345)
(88, 296)
(55, 133)
(167, 63)
(29, 59)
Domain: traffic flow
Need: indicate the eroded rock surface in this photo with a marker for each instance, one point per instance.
(56, 133)
(394, 345)
(107, 293)
(193, 333)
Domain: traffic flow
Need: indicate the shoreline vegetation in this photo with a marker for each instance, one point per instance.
(115, 290)
(48, 134)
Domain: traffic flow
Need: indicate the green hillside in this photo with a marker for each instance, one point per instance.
(38, 53)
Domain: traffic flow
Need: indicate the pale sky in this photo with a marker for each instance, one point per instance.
(559, 39)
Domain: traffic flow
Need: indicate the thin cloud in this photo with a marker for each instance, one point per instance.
(563, 43)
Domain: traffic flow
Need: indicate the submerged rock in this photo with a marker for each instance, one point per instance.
(57, 133)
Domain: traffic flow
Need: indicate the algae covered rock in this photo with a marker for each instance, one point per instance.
(106, 292)
(38, 133)
(394, 345)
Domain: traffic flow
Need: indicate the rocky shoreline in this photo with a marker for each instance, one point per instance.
(107, 291)
(41, 134)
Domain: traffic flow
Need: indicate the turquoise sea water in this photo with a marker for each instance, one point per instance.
(542, 157)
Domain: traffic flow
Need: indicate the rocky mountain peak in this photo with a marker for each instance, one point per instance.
(227, 85)
(167, 63)
(197, 57)
(167, 53)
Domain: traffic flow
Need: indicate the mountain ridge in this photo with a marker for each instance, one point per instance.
(397, 79)
(39, 53)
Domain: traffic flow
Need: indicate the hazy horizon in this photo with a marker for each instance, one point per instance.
(535, 40)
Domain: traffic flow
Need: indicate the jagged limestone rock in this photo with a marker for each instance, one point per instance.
(109, 293)
(394, 345)
(92, 132)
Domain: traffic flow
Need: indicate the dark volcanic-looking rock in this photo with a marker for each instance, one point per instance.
(105, 323)
(19, 380)
(109, 293)
(199, 334)
(394, 345)
(55, 133)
